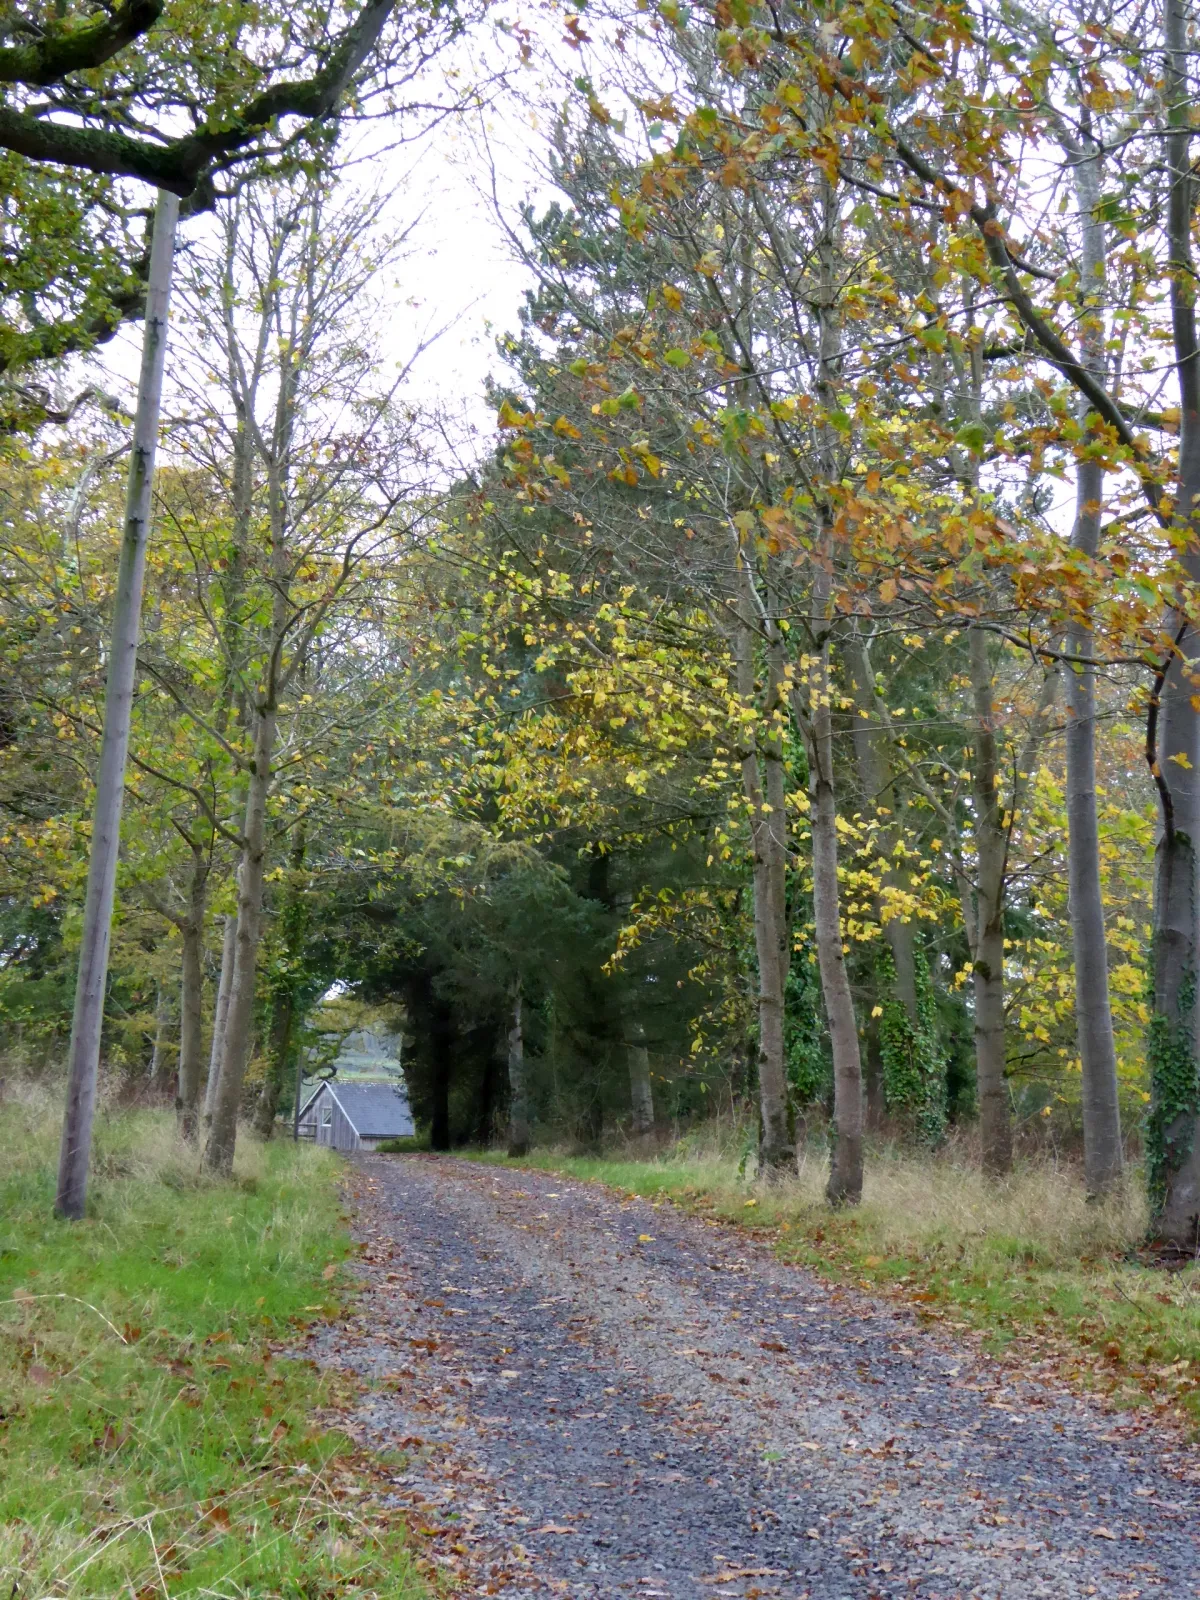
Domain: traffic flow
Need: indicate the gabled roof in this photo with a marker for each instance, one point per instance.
(304, 1104)
(375, 1110)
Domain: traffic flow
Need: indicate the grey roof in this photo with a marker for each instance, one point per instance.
(376, 1110)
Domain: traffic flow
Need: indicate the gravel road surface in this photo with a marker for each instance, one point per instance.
(592, 1397)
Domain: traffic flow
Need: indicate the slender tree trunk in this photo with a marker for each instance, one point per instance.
(293, 923)
(88, 1021)
(873, 758)
(816, 721)
(239, 1020)
(191, 1001)
(1173, 733)
(1103, 1155)
(162, 1023)
(441, 1045)
(641, 1094)
(283, 1029)
(518, 1086)
(1102, 1148)
(991, 849)
(776, 1149)
(220, 1016)
(298, 1095)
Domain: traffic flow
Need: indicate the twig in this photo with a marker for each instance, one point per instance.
(24, 1299)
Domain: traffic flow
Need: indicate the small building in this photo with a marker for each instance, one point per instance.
(356, 1116)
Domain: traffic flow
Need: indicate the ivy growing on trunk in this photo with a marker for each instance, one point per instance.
(1174, 1095)
(914, 1076)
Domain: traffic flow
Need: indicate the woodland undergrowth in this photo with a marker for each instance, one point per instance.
(155, 1435)
(1031, 1265)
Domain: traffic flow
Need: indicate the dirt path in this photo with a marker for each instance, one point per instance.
(605, 1398)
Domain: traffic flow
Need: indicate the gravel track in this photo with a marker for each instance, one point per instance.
(602, 1398)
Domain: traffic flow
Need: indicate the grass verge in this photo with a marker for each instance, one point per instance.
(1029, 1263)
(154, 1438)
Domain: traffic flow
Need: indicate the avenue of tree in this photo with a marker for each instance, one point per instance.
(792, 712)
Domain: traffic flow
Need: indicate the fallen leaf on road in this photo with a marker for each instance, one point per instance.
(732, 1574)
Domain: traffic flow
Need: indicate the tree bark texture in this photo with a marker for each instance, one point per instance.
(239, 1020)
(813, 708)
(641, 1092)
(191, 1030)
(518, 1086)
(816, 720)
(441, 1045)
(1102, 1146)
(162, 1028)
(1173, 730)
(282, 1034)
(191, 999)
(293, 926)
(220, 1017)
(1103, 1154)
(92, 981)
(769, 844)
(991, 851)
(873, 758)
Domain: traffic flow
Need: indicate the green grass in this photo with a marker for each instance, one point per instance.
(155, 1439)
(1029, 1264)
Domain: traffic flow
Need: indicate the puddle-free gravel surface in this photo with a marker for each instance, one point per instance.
(592, 1397)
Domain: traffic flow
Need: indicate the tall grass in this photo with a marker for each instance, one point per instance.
(156, 1438)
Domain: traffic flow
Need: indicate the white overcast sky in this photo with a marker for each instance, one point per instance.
(460, 274)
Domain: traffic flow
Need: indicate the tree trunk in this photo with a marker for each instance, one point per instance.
(911, 1064)
(191, 1027)
(293, 924)
(991, 849)
(768, 841)
(846, 1162)
(216, 1052)
(518, 1086)
(1102, 1148)
(92, 981)
(872, 756)
(812, 705)
(191, 1002)
(1103, 1155)
(283, 1028)
(441, 1046)
(1173, 1133)
(641, 1094)
(239, 1021)
(162, 1023)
